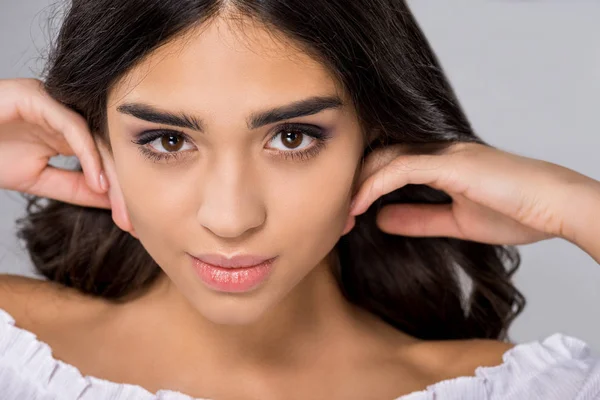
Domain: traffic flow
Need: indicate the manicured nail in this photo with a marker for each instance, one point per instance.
(103, 181)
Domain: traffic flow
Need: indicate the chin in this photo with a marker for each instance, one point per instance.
(233, 311)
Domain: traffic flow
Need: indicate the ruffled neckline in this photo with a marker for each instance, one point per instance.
(31, 359)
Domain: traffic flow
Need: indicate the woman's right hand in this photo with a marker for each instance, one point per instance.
(33, 128)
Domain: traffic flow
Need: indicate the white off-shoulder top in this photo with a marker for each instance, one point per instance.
(558, 368)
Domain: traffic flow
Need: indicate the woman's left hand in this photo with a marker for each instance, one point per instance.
(498, 197)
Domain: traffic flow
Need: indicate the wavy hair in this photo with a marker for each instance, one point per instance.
(376, 49)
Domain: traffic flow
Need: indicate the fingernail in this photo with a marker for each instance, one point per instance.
(103, 181)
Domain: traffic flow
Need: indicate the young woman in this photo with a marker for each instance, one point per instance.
(209, 247)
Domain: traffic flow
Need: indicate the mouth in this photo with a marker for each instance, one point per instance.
(234, 276)
(236, 261)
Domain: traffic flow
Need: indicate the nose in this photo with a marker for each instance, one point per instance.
(230, 200)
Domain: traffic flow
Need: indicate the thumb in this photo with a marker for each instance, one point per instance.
(425, 220)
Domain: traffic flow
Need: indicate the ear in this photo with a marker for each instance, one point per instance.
(120, 214)
(350, 223)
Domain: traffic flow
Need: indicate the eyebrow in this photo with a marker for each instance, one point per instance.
(309, 106)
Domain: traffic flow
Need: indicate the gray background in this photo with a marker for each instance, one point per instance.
(528, 75)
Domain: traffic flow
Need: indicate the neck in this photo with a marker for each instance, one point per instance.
(313, 317)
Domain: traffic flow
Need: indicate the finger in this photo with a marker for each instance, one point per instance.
(424, 169)
(383, 156)
(69, 187)
(420, 220)
(377, 160)
(75, 131)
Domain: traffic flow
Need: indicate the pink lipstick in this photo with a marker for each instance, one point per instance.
(232, 274)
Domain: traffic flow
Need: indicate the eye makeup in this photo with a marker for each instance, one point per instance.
(145, 141)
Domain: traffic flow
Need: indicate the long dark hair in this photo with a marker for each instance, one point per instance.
(377, 51)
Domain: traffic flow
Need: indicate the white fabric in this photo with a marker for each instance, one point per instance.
(558, 368)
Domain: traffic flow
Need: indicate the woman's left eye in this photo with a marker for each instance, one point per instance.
(310, 139)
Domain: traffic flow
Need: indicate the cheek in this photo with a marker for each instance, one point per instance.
(156, 200)
(158, 213)
(311, 210)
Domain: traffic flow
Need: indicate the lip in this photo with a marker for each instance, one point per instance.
(232, 279)
(236, 261)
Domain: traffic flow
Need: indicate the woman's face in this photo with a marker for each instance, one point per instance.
(228, 182)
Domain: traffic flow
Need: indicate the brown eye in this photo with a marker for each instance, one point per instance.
(292, 139)
(298, 141)
(171, 143)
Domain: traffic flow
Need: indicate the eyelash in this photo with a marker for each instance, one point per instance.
(312, 131)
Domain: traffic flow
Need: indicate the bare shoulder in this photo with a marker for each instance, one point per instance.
(448, 359)
(35, 303)
(474, 353)
(72, 324)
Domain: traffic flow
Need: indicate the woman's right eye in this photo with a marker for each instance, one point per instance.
(150, 144)
(170, 142)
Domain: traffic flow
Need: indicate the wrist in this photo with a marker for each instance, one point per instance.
(582, 226)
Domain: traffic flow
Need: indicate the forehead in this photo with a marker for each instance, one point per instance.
(224, 61)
